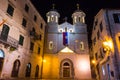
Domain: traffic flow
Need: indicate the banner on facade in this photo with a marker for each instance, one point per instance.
(65, 38)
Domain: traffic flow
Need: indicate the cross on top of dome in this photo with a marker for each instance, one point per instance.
(53, 6)
(65, 19)
(78, 6)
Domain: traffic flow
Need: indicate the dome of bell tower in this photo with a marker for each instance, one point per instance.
(78, 16)
(53, 15)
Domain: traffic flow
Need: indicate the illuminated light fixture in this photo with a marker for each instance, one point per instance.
(66, 49)
(93, 61)
(44, 60)
(108, 44)
(52, 15)
(4, 20)
(107, 47)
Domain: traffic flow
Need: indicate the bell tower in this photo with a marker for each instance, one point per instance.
(53, 16)
(78, 16)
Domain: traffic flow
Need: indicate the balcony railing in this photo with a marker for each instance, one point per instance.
(10, 41)
(35, 36)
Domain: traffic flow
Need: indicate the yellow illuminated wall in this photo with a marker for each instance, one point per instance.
(50, 66)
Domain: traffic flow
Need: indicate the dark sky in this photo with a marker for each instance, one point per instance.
(67, 7)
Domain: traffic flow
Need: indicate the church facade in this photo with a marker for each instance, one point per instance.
(66, 52)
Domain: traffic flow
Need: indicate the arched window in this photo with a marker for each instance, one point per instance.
(66, 69)
(66, 64)
(48, 20)
(75, 19)
(52, 18)
(56, 18)
(51, 45)
(60, 30)
(83, 19)
(81, 46)
(28, 70)
(1, 59)
(37, 71)
(71, 30)
(15, 69)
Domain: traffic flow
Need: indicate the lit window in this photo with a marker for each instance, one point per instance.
(1, 54)
(56, 18)
(51, 45)
(81, 46)
(83, 20)
(75, 19)
(103, 70)
(48, 20)
(52, 18)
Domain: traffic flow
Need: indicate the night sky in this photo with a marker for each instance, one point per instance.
(67, 7)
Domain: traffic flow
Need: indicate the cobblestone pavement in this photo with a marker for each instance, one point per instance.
(35, 79)
(42, 79)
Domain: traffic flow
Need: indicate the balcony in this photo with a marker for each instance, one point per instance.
(8, 40)
(35, 36)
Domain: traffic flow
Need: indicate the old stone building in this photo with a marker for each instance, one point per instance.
(106, 44)
(21, 39)
(66, 52)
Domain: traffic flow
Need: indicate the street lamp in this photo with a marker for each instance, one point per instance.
(93, 61)
(4, 20)
(44, 60)
(107, 47)
(108, 44)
